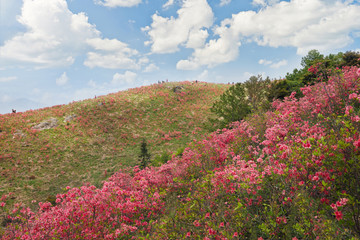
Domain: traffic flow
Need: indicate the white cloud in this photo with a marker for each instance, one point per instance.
(279, 64)
(197, 38)
(224, 2)
(264, 2)
(54, 36)
(168, 4)
(111, 54)
(151, 68)
(272, 64)
(187, 29)
(259, 2)
(127, 77)
(62, 80)
(216, 51)
(118, 3)
(188, 64)
(265, 62)
(303, 24)
(144, 60)
(306, 24)
(7, 79)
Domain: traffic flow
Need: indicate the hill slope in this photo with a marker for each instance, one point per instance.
(96, 137)
(292, 173)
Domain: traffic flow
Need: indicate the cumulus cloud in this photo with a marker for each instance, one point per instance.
(54, 35)
(188, 29)
(279, 64)
(110, 53)
(264, 2)
(62, 80)
(264, 62)
(224, 2)
(168, 4)
(216, 51)
(118, 3)
(306, 25)
(273, 64)
(7, 79)
(127, 77)
(144, 60)
(303, 24)
(151, 68)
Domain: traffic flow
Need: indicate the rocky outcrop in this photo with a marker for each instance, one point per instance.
(70, 118)
(178, 89)
(48, 124)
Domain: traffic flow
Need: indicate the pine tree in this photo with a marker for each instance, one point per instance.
(144, 156)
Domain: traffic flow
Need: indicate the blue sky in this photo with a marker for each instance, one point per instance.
(58, 51)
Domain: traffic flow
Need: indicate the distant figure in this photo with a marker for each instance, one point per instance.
(167, 80)
(196, 81)
(13, 110)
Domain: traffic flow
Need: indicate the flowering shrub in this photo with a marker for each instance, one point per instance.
(291, 173)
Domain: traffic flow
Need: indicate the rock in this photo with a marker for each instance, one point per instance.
(48, 124)
(18, 134)
(70, 118)
(178, 89)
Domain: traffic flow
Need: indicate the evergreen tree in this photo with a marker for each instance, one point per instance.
(144, 156)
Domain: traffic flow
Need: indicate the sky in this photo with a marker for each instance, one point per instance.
(57, 51)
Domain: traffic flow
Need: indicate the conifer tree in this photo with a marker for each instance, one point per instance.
(144, 156)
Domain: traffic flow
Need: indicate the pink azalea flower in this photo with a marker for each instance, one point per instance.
(315, 178)
(307, 145)
(357, 143)
(352, 96)
(338, 215)
(196, 223)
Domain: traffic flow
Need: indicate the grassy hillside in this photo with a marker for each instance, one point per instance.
(100, 136)
(289, 173)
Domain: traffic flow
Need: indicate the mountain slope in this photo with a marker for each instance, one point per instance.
(290, 173)
(96, 137)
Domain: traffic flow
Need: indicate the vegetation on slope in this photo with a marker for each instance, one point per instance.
(324, 65)
(103, 135)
